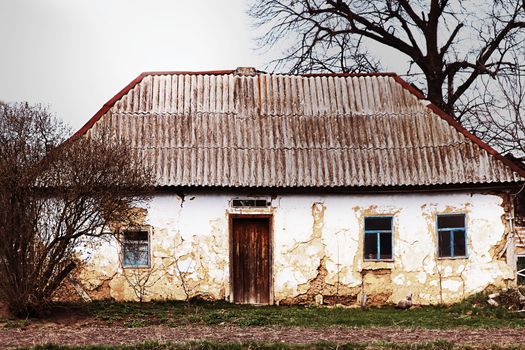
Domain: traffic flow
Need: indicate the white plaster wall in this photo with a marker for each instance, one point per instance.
(190, 247)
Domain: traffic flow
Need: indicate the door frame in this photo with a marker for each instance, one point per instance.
(231, 218)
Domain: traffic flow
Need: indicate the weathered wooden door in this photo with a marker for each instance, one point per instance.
(251, 260)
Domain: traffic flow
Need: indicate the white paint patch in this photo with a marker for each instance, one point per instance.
(452, 285)
(421, 277)
(399, 280)
(190, 245)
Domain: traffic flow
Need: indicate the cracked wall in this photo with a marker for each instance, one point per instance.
(317, 250)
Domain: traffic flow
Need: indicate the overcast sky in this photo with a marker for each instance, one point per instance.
(74, 55)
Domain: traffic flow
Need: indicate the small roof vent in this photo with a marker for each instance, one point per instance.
(249, 71)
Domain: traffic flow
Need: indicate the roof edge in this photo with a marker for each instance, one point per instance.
(106, 107)
(472, 187)
(454, 123)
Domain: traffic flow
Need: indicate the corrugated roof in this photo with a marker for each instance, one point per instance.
(276, 130)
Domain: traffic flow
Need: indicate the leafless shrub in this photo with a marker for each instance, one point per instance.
(54, 193)
(182, 277)
(142, 272)
(142, 280)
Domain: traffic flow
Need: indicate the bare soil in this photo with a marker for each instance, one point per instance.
(95, 335)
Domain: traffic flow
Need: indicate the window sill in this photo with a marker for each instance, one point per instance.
(378, 260)
(452, 257)
(141, 267)
(378, 264)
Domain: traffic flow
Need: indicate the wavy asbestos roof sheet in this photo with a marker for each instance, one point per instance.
(251, 129)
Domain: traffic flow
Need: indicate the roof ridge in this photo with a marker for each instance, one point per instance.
(205, 72)
(355, 74)
(232, 71)
(300, 147)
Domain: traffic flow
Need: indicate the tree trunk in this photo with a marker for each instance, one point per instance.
(435, 94)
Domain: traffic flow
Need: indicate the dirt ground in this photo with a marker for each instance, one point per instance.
(71, 335)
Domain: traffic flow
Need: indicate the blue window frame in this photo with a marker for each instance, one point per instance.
(135, 249)
(378, 238)
(452, 236)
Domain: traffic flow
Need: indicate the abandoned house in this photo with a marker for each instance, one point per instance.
(281, 189)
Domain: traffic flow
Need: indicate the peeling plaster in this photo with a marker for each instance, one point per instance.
(317, 249)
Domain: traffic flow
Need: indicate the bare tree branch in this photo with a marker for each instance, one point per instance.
(436, 35)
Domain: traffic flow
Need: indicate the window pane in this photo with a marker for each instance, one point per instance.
(378, 223)
(521, 270)
(385, 245)
(444, 243)
(451, 221)
(136, 236)
(136, 254)
(370, 246)
(256, 203)
(136, 248)
(459, 243)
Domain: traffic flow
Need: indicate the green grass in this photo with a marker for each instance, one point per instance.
(470, 314)
(439, 345)
(473, 312)
(16, 323)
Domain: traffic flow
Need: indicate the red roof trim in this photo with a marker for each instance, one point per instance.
(409, 87)
(107, 106)
(451, 121)
(372, 74)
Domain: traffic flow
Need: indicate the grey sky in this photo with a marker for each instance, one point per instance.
(76, 54)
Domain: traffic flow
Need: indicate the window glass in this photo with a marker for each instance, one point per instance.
(444, 243)
(521, 270)
(452, 238)
(370, 246)
(459, 243)
(378, 223)
(451, 221)
(386, 245)
(254, 203)
(136, 249)
(378, 238)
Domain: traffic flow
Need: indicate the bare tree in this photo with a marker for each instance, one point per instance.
(497, 113)
(450, 43)
(54, 193)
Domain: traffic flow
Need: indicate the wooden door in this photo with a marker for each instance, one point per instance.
(251, 260)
